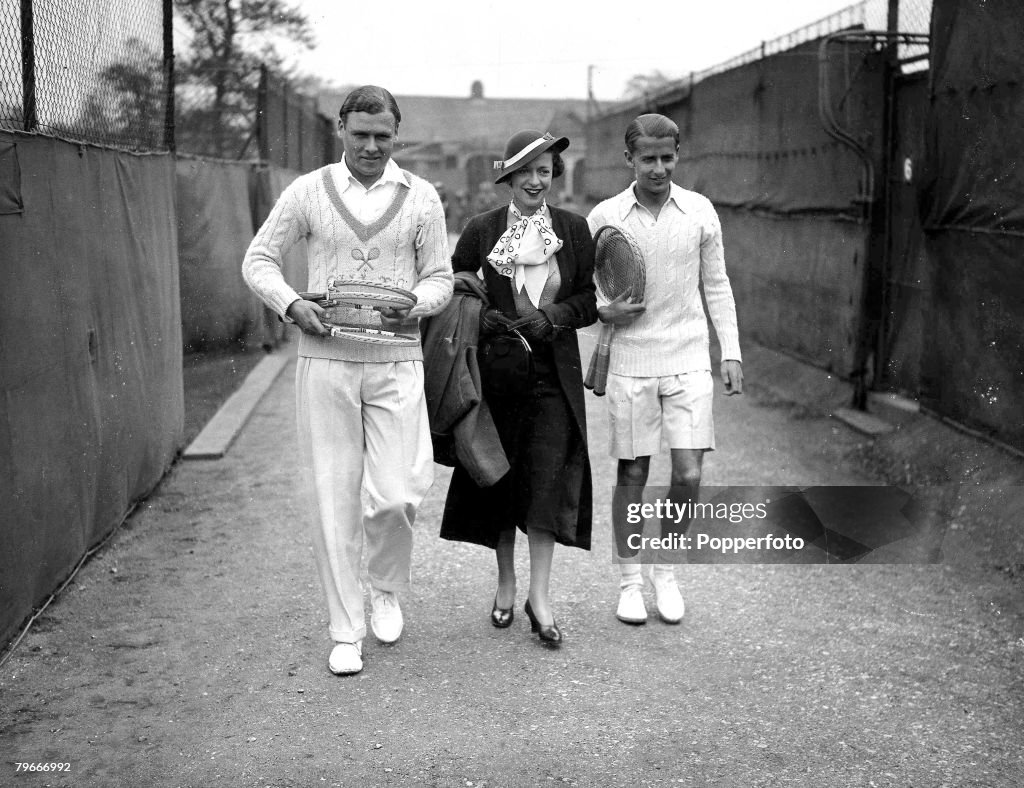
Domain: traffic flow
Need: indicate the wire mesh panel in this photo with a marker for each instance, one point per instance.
(851, 16)
(216, 111)
(292, 132)
(249, 115)
(93, 70)
(11, 99)
(911, 16)
(915, 16)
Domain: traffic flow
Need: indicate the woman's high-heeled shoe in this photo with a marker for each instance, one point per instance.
(549, 634)
(501, 617)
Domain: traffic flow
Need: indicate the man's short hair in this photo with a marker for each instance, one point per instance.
(370, 99)
(650, 125)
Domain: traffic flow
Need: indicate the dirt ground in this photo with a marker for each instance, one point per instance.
(192, 651)
(210, 377)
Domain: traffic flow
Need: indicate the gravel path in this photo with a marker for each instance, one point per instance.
(192, 651)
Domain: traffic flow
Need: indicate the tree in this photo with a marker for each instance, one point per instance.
(136, 85)
(219, 71)
(126, 106)
(641, 85)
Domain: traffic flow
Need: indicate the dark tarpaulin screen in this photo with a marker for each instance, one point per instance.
(268, 183)
(752, 141)
(753, 137)
(972, 207)
(975, 179)
(219, 206)
(90, 356)
(214, 230)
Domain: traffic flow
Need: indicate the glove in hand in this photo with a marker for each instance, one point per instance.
(493, 321)
(535, 326)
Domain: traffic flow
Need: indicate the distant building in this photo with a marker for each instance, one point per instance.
(455, 140)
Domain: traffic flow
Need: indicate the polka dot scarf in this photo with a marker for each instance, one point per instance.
(525, 252)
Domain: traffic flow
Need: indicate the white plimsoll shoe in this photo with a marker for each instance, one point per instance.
(670, 602)
(631, 609)
(346, 658)
(385, 616)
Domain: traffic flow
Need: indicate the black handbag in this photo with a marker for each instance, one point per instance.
(506, 364)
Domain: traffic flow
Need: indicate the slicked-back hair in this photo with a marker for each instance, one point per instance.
(650, 125)
(372, 100)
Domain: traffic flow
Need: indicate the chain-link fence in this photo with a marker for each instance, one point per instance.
(851, 16)
(254, 114)
(103, 72)
(11, 103)
(902, 16)
(915, 16)
(291, 131)
(216, 111)
(91, 72)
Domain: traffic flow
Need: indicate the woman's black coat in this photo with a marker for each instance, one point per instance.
(574, 306)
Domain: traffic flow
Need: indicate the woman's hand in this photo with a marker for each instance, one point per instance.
(535, 326)
(493, 321)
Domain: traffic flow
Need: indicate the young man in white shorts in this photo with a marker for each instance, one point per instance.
(659, 383)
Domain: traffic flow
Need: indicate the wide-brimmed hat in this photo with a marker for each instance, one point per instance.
(525, 146)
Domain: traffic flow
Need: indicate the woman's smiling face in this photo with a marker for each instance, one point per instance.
(531, 182)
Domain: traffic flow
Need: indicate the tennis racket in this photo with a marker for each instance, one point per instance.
(618, 270)
(370, 335)
(360, 294)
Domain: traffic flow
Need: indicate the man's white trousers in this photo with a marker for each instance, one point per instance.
(362, 428)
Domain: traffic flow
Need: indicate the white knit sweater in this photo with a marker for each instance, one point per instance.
(407, 248)
(682, 249)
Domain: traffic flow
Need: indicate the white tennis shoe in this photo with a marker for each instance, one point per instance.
(346, 658)
(385, 616)
(631, 609)
(669, 601)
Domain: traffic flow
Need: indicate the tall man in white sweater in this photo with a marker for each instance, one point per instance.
(361, 414)
(659, 383)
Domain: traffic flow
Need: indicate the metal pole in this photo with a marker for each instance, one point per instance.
(169, 109)
(286, 126)
(892, 22)
(590, 93)
(882, 213)
(28, 68)
(302, 133)
(262, 130)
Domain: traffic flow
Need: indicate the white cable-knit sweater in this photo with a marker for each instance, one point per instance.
(406, 247)
(682, 249)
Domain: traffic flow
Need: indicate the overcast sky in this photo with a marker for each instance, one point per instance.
(523, 49)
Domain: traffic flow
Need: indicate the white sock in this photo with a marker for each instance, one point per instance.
(631, 575)
(663, 570)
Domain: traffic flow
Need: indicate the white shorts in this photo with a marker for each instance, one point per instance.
(641, 410)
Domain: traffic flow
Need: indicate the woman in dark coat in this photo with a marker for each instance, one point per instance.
(537, 263)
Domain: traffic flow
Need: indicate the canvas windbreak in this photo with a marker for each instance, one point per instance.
(90, 356)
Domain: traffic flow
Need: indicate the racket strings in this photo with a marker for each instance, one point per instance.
(619, 267)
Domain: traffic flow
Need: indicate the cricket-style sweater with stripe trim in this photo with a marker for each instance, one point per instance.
(405, 247)
(682, 249)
